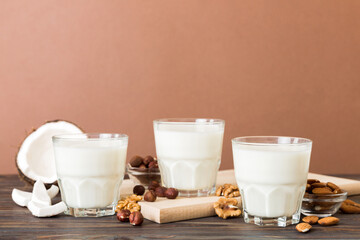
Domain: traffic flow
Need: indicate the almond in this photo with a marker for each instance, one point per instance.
(328, 221)
(322, 190)
(311, 181)
(318, 185)
(333, 186)
(303, 227)
(349, 206)
(337, 191)
(348, 201)
(311, 219)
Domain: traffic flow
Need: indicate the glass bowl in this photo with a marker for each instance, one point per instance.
(323, 205)
(143, 176)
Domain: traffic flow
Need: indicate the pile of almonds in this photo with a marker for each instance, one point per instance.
(314, 186)
(319, 189)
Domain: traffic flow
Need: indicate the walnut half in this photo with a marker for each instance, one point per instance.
(228, 190)
(129, 203)
(227, 207)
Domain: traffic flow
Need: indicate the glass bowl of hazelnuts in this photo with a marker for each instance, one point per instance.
(143, 170)
(322, 199)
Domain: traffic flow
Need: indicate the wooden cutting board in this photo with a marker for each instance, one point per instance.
(165, 210)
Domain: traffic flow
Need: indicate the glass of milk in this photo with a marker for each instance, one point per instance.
(271, 173)
(189, 154)
(90, 169)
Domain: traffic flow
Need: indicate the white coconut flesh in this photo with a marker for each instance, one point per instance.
(40, 194)
(22, 198)
(39, 210)
(35, 158)
(39, 201)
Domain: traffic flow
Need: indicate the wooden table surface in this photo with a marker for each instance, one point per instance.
(18, 223)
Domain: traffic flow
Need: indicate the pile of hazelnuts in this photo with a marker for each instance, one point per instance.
(154, 191)
(147, 162)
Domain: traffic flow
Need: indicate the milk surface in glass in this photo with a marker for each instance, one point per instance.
(189, 154)
(90, 173)
(271, 178)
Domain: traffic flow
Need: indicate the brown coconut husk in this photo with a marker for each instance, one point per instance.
(21, 175)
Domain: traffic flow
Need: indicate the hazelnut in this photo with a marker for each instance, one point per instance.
(153, 185)
(150, 196)
(123, 215)
(147, 160)
(136, 218)
(142, 168)
(139, 190)
(160, 191)
(153, 164)
(171, 193)
(136, 161)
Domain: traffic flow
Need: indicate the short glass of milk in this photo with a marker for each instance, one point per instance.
(271, 173)
(90, 169)
(189, 154)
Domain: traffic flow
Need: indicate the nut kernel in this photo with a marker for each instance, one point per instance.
(136, 161)
(171, 193)
(349, 206)
(311, 219)
(147, 160)
(150, 196)
(328, 221)
(160, 191)
(227, 207)
(136, 218)
(139, 190)
(303, 227)
(228, 190)
(123, 215)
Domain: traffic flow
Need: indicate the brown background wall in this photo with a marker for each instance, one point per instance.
(266, 67)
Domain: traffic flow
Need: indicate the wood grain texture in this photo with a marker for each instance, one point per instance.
(18, 223)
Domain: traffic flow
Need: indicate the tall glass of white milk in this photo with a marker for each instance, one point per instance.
(271, 173)
(189, 154)
(90, 169)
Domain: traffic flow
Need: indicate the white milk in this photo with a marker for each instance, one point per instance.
(271, 179)
(189, 155)
(90, 173)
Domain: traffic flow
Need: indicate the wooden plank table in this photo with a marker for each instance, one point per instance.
(18, 223)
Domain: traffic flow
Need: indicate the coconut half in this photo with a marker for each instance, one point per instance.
(35, 159)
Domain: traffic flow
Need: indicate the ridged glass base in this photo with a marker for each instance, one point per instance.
(91, 212)
(321, 215)
(279, 221)
(197, 193)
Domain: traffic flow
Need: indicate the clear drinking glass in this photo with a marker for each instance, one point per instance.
(189, 153)
(90, 169)
(271, 173)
